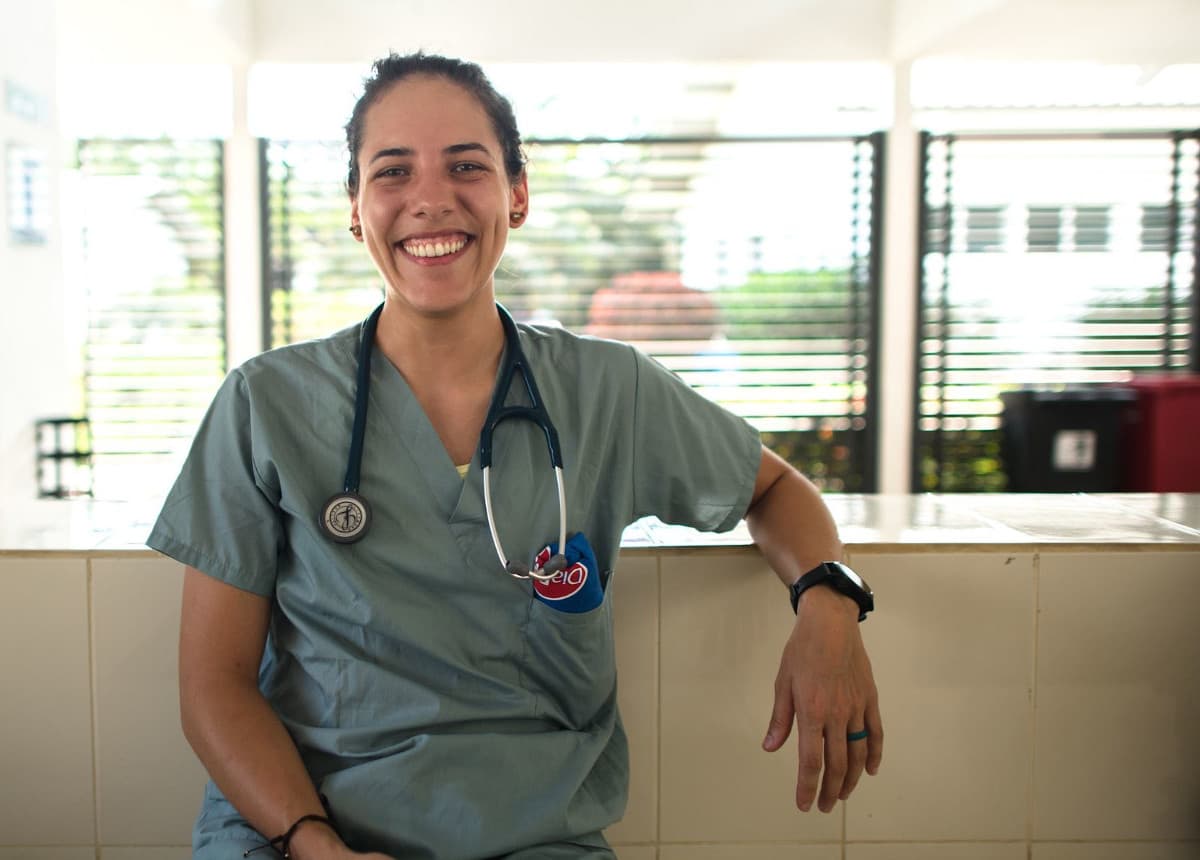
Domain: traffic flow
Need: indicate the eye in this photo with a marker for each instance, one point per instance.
(466, 167)
(392, 172)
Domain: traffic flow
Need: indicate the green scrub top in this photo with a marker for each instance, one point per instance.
(442, 709)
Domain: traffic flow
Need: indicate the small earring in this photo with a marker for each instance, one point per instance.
(356, 230)
(516, 218)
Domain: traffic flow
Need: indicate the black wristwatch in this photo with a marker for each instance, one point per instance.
(839, 577)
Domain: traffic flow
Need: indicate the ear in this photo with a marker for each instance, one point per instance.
(520, 195)
(354, 219)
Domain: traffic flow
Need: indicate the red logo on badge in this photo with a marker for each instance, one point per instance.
(566, 583)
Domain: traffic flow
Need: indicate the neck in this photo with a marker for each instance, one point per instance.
(454, 349)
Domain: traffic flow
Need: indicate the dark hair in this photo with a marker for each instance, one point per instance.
(396, 67)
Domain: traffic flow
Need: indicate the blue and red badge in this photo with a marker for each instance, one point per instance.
(575, 588)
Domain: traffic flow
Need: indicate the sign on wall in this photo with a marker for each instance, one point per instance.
(25, 103)
(28, 195)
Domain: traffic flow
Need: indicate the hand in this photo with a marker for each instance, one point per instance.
(825, 684)
(318, 842)
(344, 853)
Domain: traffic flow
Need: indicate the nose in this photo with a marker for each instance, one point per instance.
(432, 195)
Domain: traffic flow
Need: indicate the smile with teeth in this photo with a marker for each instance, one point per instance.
(440, 247)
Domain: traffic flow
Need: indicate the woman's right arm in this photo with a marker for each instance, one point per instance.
(233, 730)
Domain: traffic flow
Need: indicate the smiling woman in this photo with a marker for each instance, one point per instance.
(403, 693)
(432, 195)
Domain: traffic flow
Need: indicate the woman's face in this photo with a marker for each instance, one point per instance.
(433, 198)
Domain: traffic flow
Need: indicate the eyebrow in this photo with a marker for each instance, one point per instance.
(407, 152)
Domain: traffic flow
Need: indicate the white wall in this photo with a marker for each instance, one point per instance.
(38, 362)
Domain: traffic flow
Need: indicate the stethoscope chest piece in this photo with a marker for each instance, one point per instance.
(345, 517)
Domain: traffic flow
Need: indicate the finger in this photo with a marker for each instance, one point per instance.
(835, 767)
(811, 751)
(856, 759)
(875, 741)
(782, 714)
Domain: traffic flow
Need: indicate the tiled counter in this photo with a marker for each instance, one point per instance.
(1038, 659)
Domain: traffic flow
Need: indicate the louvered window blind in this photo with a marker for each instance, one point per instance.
(153, 267)
(748, 266)
(1046, 261)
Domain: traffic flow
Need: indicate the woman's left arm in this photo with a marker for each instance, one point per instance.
(825, 682)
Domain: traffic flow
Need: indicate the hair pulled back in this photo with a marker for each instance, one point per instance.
(396, 67)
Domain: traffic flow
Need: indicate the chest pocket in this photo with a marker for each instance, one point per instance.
(569, 663)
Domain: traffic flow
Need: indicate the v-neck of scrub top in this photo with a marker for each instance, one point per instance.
(459, 498)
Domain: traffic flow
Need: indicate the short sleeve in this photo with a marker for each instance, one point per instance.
(221, 517)
(694, 461)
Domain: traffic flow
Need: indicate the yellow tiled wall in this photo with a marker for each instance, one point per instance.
(1038, 704)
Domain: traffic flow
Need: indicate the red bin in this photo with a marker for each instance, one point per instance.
(1162, 440)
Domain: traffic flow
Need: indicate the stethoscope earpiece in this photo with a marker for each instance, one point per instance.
(545, 573)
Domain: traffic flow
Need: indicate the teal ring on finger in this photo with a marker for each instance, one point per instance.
(858, 736)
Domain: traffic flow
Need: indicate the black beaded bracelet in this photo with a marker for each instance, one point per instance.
(282, 843)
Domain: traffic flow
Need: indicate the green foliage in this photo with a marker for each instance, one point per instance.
(969, 462)
(799, 304)
(830, 459)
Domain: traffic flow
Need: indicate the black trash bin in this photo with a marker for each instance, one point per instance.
(1064, 441)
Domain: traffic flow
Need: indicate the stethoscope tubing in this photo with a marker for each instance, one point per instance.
(350, 503)
(557, 562)
(362, 388)
(535, 412)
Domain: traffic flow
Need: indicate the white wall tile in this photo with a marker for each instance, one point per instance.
(150, 783)
(46, 792)
(1118, 698)
(635, 626)
(636, 852)
(937, 851)
(750, 851)
(725, 619)
(952, 648)
(1116, 850)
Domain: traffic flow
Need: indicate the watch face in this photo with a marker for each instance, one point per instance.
(839, 577)
(853, 577)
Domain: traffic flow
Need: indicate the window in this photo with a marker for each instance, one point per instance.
(1091, 228)
(747, 265)
(1044, 230)
(153, 271)
(1101, 285)
(985, 228)
(1156, 227)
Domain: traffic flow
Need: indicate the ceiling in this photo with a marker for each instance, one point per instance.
(1149, 32)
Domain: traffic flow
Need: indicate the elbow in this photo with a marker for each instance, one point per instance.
(192, 698)
(207, 700)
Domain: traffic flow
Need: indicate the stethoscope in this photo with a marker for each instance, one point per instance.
(346, 517)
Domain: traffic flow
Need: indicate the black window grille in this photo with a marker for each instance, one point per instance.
(1093, 279)
(656, 242)
(1156, 227)
(154, 275)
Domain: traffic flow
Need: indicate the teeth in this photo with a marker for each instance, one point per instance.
(438, 248)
